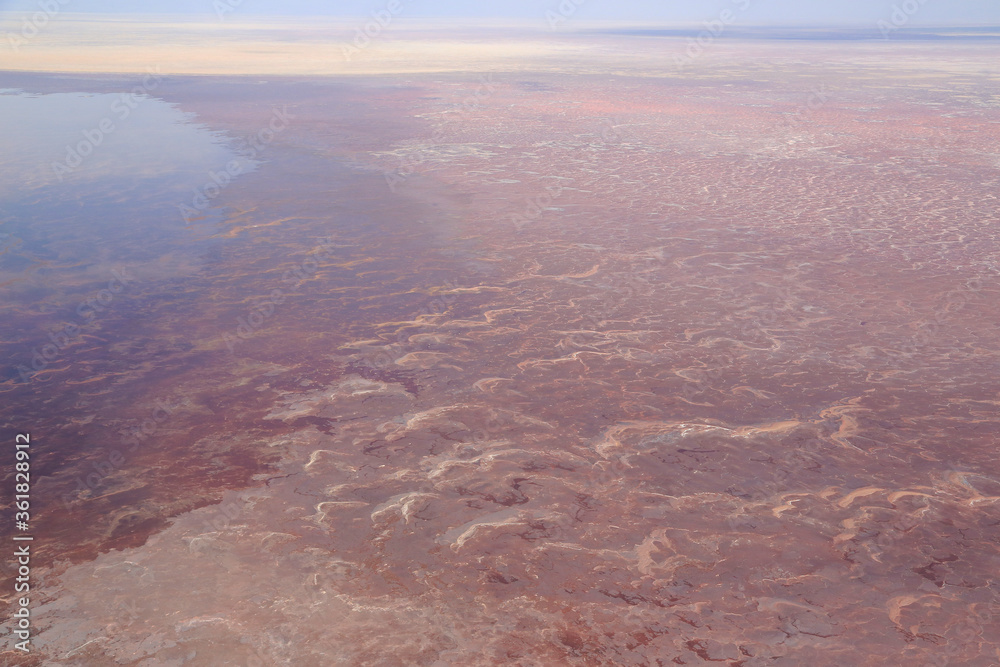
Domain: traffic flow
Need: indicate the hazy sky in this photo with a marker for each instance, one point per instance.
(749, 12)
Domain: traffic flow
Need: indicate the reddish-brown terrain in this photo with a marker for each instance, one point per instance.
(583, 368)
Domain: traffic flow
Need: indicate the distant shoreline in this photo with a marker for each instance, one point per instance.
(817, 34)
(247, 46)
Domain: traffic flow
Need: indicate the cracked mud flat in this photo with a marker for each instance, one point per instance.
(627, 370)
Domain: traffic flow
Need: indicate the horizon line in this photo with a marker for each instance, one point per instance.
(498, 21)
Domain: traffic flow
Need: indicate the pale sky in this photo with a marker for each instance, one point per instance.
(864, 13)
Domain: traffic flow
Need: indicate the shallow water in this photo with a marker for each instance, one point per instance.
(709, 377)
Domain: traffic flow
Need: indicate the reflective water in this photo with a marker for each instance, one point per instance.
(553, 378)
(92, 182)
(92, 190)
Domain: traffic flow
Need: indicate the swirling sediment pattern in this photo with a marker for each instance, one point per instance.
(622, 371)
